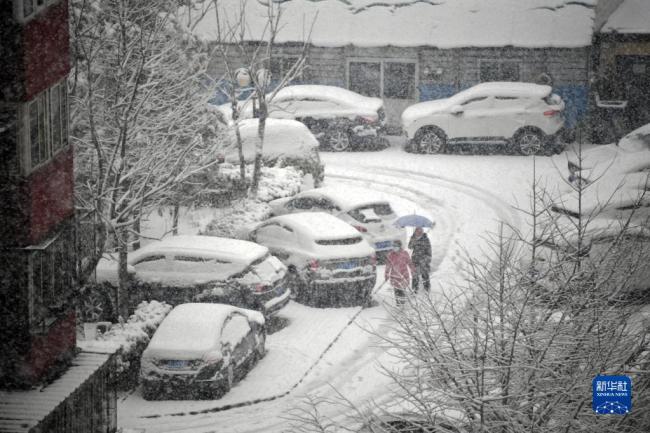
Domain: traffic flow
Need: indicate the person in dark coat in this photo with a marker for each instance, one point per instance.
(421, 256)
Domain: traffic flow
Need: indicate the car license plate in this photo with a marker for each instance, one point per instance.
(176, 364)
(382, 245)
(279, 290)
(347, 265)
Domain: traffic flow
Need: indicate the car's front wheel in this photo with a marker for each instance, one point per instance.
(529, 142)
(430, 140)
(338, 140)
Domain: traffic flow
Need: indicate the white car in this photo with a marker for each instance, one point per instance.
(286, 142)
(341, 119)
(613, 178)
(201, 350)
(372, 217)
(527, 116)
(329, 261)
(207, 268)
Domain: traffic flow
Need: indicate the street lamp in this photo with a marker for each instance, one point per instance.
(244, 81)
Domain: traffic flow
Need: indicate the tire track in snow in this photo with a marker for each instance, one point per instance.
(368, 175)
(504, 210)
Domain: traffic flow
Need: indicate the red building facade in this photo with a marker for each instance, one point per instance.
(37, 235)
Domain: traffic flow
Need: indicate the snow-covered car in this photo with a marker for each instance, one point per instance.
(200, 350)
(341, 119)
(330, 264)
(373, 217)
(286, 142)
(525, 116)
(206, 268)
(613, 179)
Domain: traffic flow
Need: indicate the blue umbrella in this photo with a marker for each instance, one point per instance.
(414, 220)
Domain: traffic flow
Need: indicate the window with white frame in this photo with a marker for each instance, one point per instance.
(47, 125)
(27, 9)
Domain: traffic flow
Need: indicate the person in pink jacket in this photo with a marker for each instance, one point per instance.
(398, 271)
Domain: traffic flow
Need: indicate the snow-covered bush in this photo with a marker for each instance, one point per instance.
(276, 182)
(131, 338)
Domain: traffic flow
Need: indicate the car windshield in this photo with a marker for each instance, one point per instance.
(371, 213)
(342, 241)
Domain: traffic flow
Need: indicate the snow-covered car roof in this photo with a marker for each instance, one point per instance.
(613, 194)
(603, 228)
(351, 101)
(321, 232)
(495, 88)
(504, 88)
(632, 154)
(616, 176)
(345, 198)
(192, 329)
(236, 254)
(283, 138)
(234, 250)
(320, 225)
(637, 140)
(332, 93)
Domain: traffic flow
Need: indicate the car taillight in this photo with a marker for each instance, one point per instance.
(373, 260)
(361, 229)
(551, 113)
(366, 119)
(314, 265)
(221, 158)
(261, 288)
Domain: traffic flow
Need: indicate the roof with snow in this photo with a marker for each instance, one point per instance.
(438, 23)
(632, 16)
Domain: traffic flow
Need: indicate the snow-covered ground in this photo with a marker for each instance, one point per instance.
(326, 351)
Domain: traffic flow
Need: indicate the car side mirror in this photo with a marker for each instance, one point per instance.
(457, 109)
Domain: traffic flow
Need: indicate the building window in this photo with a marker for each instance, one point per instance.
(26, 9)
(280, 66)
(388, 79)
(493, 70)
(365, 78)
(47, 124)
(399, 80)
(52, 276)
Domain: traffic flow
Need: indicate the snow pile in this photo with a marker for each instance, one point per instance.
(442, 24)
(225, 221)
(129, 339)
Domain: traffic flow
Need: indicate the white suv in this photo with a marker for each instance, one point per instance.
(527, 116)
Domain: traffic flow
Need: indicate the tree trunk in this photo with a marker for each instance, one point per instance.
(175, 219)
(136, 229)
(122, 301)
(257, 167)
